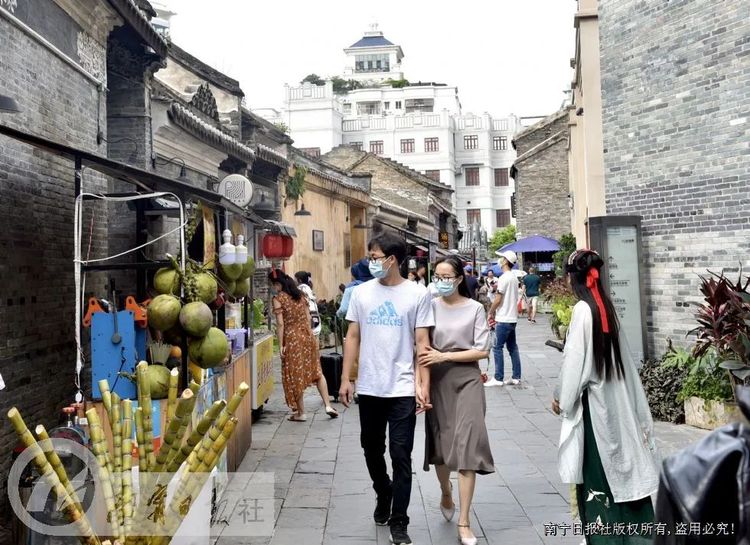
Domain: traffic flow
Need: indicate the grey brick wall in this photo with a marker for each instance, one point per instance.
(676, 89)
(37, 355)
(542, 181)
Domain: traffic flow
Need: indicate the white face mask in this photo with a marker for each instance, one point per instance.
(445, 288)
(377, 270)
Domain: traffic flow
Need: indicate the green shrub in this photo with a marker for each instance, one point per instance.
(662, 385)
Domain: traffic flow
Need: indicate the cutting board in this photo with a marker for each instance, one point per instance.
(108, 359)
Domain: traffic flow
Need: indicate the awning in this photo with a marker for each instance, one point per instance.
(143, 179)
(282, 227)
(444, 253)
(421, 248)
(533, 244)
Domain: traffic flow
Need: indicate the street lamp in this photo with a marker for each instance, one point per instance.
(9, 105)
(302, 211)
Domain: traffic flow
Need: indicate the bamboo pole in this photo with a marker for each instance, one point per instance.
(172, 436)
(99, 446)
(116, 427)
(54, 460)
(144, 398)
(85, 532)
(139, 437)
(174, 379)
(195, 436)
(126, 494)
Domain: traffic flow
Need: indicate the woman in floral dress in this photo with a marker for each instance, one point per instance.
(300, 360)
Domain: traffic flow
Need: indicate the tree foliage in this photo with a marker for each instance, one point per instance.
(315, 79)
(503, 236)
(567, 247)
(342, 86)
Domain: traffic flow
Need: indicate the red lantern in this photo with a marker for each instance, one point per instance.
(273, 246)
(288, 245)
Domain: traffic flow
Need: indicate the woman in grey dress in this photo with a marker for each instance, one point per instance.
(456, 433)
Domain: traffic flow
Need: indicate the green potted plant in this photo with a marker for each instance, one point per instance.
(723, 338)
(561, 300)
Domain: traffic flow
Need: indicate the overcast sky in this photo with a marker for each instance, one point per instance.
(505, 56)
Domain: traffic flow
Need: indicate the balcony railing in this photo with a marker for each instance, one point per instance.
(396, 122)
(499, 124)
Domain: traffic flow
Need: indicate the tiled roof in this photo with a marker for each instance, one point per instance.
(271, 156)
(371, 41)
(186, 119)
(208, 72)
(132, 14)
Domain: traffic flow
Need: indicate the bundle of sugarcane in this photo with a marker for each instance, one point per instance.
(201, 448)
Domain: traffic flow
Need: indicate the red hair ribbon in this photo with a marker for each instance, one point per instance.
(592, 284)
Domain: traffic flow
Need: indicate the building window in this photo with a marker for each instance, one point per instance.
(433, 174)
(347, 109)
(311, 152)
(376, 147)
(502, 217)
(499, 143)
(407, 146)
(420, 105)
(356, 145)
(386, 105)
(431, 144)
(473, 215)
(368, 108)
(372, 63)
(472, 176)
(398, 104)
(501, 177)
(471, 141)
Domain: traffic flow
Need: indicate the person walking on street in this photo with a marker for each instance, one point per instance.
(505, 310)
(456, 436)
(387, 317)
(491, 285)
(471, 282)
(360, 274)
(300, 359)
(304, 283)
(422, 275)
(607, 444)
(532, 284)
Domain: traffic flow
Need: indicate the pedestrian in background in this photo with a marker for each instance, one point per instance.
(505, 311)
(360, 274)
(531, 286)
(422, 275)
(606, 442)
(456, 436)
(387, 317)
(471, 282)
(412, 276)
(304, 282)
(298, 347)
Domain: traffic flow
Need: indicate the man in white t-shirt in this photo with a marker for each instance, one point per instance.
(505, 309)
(388, 316)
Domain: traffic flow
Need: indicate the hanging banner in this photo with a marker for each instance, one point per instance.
(209, 237)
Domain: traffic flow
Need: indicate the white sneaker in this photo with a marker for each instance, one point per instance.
(514, 382)
(493, 382)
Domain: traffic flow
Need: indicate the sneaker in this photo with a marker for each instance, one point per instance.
(399, 535)
(382, 512)
(514, 382)
(493, 382)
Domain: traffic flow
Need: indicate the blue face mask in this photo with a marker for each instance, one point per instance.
(377, 270)
(445, 287)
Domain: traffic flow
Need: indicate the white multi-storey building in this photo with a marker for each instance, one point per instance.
(418, 124)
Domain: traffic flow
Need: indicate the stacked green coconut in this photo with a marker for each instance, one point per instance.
(236, 278)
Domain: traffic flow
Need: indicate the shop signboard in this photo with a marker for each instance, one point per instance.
(618, 241)
(209, 237)
(262, 374)
(444, 240)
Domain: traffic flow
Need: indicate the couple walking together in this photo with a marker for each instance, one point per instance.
(388, 317)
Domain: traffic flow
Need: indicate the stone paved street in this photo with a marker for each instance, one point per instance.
(323, 493)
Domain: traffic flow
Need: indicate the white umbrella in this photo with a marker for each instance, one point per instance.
(519, 273)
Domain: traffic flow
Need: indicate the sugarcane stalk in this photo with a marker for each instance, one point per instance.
(195, 436)
(116, 427)
(174, 379)
(85, 532)
(172, 436)
(127, 463)
(191, 484)
(196, 456)
(106, 395)
(99, 446)
(144, 395)
(54, 460)
(139, 437)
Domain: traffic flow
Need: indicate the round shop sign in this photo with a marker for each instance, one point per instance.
(237, 189)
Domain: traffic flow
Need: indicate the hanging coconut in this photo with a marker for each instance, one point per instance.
(209, 351)
(207, 287)
(158, 379)
(231, 272)
(241, 288)
(248, 269)
(167, 281)
(163, 312)
(196, 319)
(174, 335)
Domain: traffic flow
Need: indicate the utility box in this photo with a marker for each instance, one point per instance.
(618, 241)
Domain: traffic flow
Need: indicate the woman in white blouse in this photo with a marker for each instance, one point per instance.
(606, 442)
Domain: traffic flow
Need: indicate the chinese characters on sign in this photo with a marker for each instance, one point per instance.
(646, 529)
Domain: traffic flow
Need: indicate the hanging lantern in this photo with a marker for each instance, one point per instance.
(273, 246)
(288, 246)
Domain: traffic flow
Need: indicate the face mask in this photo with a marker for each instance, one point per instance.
(445, 287)
(273, 292)
(376, 269)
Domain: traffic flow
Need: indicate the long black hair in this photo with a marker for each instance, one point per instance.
(583, 268)
(303, 277)
(458, 270)
(288, 285)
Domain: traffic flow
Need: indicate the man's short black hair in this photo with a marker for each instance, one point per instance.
(390, 244)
